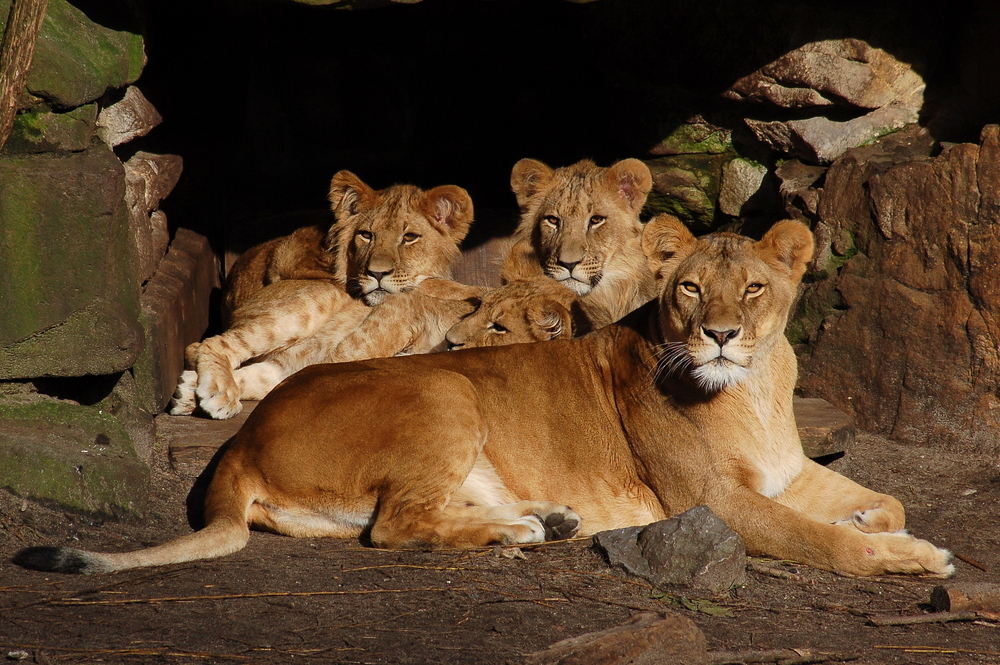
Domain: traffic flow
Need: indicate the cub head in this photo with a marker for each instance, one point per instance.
(579, 218)
(389, 240)
(726, 297)
(522, 311)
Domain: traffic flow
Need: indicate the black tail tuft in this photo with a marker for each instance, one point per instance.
(56, 559)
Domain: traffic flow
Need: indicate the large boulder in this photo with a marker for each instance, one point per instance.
(78, 457)
(829, 79)
(911, 349)
(77, 60)
(71, 299)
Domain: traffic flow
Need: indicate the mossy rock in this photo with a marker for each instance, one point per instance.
(74, 456)
(45, 131)
(71, 298)
(687, 186)
(76, 60)
(695, 136)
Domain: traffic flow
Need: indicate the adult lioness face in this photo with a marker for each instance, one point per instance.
(579, 216)
(727, 302)
(388, 241)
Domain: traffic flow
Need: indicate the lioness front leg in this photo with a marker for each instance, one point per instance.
(772, 529)
(826, 496)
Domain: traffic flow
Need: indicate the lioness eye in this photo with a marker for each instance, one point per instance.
(551, 220)
(754, 288)
(597, 220)
(690, 287)
(366, 235)
(496, 327)
(410, 238)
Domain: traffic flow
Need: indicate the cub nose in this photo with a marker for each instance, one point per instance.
(379, 274)
(568, 265)
(721, 336)
(452, 346)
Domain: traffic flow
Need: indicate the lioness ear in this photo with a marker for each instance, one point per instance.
(549, 319)
(665, 241)
(348, 193)
(632, 180)
(791, 243)
(449, 208)
(527, 178)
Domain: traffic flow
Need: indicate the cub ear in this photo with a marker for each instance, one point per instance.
(449, 208)
(665, 241)
(527, 178)
(348, 194)
(549, 320)
(791, 243)
(631, 179)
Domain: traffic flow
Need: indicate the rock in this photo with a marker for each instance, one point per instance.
(833, 72)
(741, 179)
(175, 312)
(823, 428)
(648, 638)
(694, 549)
(130, 117)
(686, 186)
(44, 131)
(695, 135)
(843, 74)
(149, 179)
(912, 351)
(823, 140)
(797, 190)
(76, 456)
(77, 60)
(66, 266)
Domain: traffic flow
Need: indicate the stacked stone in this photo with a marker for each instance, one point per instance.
(88, 273)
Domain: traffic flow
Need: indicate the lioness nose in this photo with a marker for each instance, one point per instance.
(721, 336)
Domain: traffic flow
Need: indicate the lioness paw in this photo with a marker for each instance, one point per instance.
(561, 523)
(885, 516)
(902, 553)
(184, 399)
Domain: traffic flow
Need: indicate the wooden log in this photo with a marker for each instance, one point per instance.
(967, 597)
(16, 51)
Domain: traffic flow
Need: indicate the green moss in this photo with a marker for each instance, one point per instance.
(76, 456)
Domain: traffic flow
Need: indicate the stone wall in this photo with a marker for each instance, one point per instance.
(88, 273)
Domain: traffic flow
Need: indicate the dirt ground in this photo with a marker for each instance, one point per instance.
(301, 600)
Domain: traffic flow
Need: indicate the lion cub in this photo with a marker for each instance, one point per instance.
(580, 227)
(391, 255)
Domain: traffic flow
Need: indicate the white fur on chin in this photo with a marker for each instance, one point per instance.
(717, 374)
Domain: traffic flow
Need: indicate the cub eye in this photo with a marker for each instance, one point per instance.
(410, 238)
(496, 327)
(366, 235)
(552, 221)
(754, 288)
(597, 220)
(690, 288)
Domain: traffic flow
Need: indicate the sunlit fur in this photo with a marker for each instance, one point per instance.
(580, 227)
(383, 243)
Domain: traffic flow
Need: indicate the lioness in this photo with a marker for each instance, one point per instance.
(687, 401)
(385, 244)
(580, 226)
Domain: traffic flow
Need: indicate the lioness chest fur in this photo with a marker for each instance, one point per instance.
(687, 401)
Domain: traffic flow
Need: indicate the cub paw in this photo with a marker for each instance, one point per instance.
(184, 399)
(219, 401)
(560, 524)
